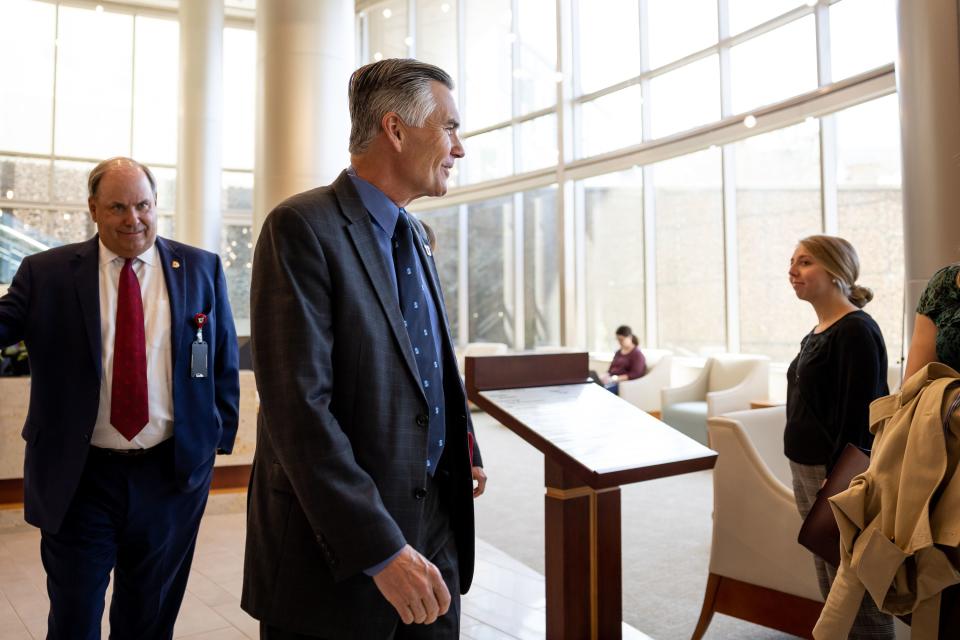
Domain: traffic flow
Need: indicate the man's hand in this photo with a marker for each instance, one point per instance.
(414, 586)
(481, 479)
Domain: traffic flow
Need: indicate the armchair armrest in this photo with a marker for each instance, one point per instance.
(640, 393)
(691, 392)
(737, 398)
(645, 392)
(755, 519)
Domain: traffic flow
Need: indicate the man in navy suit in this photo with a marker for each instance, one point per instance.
(134, 390)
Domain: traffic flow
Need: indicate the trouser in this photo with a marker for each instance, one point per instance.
(129, 516)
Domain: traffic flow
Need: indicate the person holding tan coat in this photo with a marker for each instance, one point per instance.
(900, 520)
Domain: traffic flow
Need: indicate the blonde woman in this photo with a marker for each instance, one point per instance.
(936, 330)
(840, 369)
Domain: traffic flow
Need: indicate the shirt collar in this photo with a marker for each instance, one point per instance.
(383, 210)
(148, 257)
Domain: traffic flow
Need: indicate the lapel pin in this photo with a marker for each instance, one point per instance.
(175, 264)
(426, 248)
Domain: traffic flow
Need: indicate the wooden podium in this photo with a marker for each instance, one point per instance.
(592, 442)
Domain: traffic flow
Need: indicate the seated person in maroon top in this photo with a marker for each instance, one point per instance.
(628, 361)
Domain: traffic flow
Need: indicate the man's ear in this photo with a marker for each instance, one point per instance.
(393, 128)
(92, 206)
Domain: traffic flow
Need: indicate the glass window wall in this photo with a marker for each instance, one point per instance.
(155, 91)
(774, 66)
(679, 27)
(746, 14)
(611, 122)
(541, 269)
(93, 110)
(863, 35)
(688, 220)
(488, 52)
(870, 208)
(536, 70)
(491, 271)
(614, 292)
(777, 204)
(27, 31)
(387, 30)
(608, 50)
(685, 98)
(437, 35)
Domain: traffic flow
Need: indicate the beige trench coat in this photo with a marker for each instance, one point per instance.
(893, 543)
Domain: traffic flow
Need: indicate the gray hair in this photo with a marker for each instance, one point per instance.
(398, 85)
(104, 167)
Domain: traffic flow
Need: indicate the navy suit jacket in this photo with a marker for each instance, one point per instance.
(53, 304)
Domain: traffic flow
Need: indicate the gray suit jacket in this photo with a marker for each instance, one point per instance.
(342, 433)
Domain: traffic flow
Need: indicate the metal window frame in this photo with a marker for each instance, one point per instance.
(134, 10)
(571, 170)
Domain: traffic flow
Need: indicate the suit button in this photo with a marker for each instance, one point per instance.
(419, 493)
(423, 419)
(86, 437)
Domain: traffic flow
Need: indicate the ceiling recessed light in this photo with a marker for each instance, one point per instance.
(387, 13)
(750, 122)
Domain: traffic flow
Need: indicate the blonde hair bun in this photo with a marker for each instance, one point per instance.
(860, 295)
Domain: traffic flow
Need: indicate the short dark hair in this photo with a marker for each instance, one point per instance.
(627, 332)
(400, 85)
(102, 168)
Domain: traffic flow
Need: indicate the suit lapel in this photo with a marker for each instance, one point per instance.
(362, 234)
(86, 271)
(174, 275)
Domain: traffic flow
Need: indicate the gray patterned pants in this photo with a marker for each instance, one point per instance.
(870, 622)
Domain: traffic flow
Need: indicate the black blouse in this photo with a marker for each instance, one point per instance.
(830, 385)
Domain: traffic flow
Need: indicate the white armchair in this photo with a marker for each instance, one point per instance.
(758, 570)
(644, 392)
(726, 383)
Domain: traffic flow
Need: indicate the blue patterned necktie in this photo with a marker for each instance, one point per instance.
(414, 298)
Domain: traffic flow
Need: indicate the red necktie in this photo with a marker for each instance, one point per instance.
(128, 397)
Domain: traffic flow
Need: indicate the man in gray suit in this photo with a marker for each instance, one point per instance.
(360, 519)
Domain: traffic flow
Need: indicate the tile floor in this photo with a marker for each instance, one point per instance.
(506, 602)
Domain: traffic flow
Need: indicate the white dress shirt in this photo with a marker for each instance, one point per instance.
(156, 316)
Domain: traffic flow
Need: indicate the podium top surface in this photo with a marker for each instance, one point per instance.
(602, 439)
